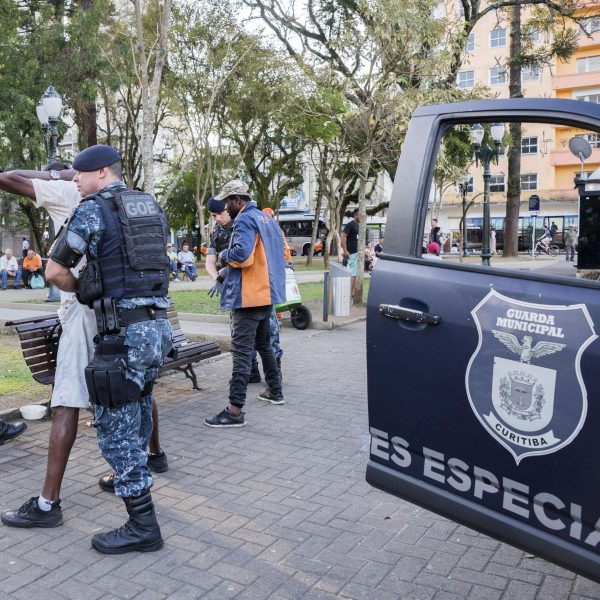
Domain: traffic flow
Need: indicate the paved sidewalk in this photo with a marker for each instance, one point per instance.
(277, 510)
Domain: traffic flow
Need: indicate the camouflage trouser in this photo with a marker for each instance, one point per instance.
(274, 329)
(124, 432)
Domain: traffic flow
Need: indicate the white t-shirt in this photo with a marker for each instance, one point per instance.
(59, 198)
(8, 265)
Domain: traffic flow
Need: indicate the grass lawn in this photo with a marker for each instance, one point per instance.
(198, 301)
(17, 387)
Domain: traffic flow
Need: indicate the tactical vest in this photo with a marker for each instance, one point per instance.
(220, 239)
(131, 252)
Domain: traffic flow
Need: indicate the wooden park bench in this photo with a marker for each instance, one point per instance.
(40, 337)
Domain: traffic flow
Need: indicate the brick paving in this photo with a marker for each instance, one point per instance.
(277, 510)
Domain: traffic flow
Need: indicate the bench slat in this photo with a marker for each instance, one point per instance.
(34, 334)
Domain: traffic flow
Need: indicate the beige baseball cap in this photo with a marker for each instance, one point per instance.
(235, 187)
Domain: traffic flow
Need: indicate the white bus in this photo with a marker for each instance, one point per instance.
(297, 228)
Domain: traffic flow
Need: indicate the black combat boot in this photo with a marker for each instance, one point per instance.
(140, 534)
(254, 373)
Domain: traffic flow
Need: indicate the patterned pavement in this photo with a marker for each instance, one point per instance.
(277, 510)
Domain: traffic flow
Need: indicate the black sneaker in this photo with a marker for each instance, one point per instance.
(158, 463)
(107, 483)
(30, 515)
(9, 431)
(224, 419)
(269, 396)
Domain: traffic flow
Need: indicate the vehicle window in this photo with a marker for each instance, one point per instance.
(489, 201)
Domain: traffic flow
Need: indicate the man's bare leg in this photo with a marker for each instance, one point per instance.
(45, 511)
(62, 436)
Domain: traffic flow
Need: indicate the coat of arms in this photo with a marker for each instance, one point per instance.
(537, 403)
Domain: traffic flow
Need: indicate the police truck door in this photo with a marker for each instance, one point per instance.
(483, 378)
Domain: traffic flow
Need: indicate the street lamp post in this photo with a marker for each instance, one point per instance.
(485, 154)
(463, 188)
(48, 111)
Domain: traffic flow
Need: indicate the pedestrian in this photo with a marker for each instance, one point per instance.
(187, 260)
(9, 268)
(553, 229)
(492, 241)
(253, 282)
(55, 191)
(32, 265)
(349, 241)
(173, 262)
(125, 247)
(434, 225)
(25, 247)
(8, 431)
(570, 243)
(433, 252)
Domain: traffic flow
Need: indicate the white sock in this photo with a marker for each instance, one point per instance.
(43, 504)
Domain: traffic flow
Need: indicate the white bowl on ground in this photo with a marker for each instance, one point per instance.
(33, 411)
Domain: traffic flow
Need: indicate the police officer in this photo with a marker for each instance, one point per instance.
(219, 241)
(123, 233)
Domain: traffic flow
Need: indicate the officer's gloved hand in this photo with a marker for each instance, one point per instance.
(222, 274)
(216, 289)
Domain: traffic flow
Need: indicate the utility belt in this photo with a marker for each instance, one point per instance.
(112, 320)
(105, 376)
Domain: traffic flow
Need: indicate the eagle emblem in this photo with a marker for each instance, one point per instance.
(524, 348)
(524, 380)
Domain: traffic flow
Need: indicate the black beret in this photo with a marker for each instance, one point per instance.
(96, 157)
(216, 206)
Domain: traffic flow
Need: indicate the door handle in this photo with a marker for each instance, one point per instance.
(408, 314)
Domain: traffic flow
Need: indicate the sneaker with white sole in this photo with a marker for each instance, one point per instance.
(269, 396)
(224, 419)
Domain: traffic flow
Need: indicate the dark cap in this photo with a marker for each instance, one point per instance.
(96, 157)
(216, 206)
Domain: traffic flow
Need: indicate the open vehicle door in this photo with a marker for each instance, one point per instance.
(483, 379)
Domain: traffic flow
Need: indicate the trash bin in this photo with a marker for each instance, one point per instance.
(341, 289)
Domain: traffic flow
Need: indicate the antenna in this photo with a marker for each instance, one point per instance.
(580, 148)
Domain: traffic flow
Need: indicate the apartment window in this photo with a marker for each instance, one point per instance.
(497, 37)
(497, 75)
(593, 139)
(466, 79)
(590, 25)
(470, 185)
(595, 98)
(529, 145)
(588, 64)
(470, 46)
(530, 74)
(497, 183)
(529, 181)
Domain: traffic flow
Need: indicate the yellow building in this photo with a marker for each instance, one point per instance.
(547, 166)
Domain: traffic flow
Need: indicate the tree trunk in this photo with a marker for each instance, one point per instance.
(150, 87)
(513, 193)
(362, 228)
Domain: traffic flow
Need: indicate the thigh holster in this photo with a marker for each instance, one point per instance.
(105, 375)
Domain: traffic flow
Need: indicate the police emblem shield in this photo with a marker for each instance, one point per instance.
(524, 379)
